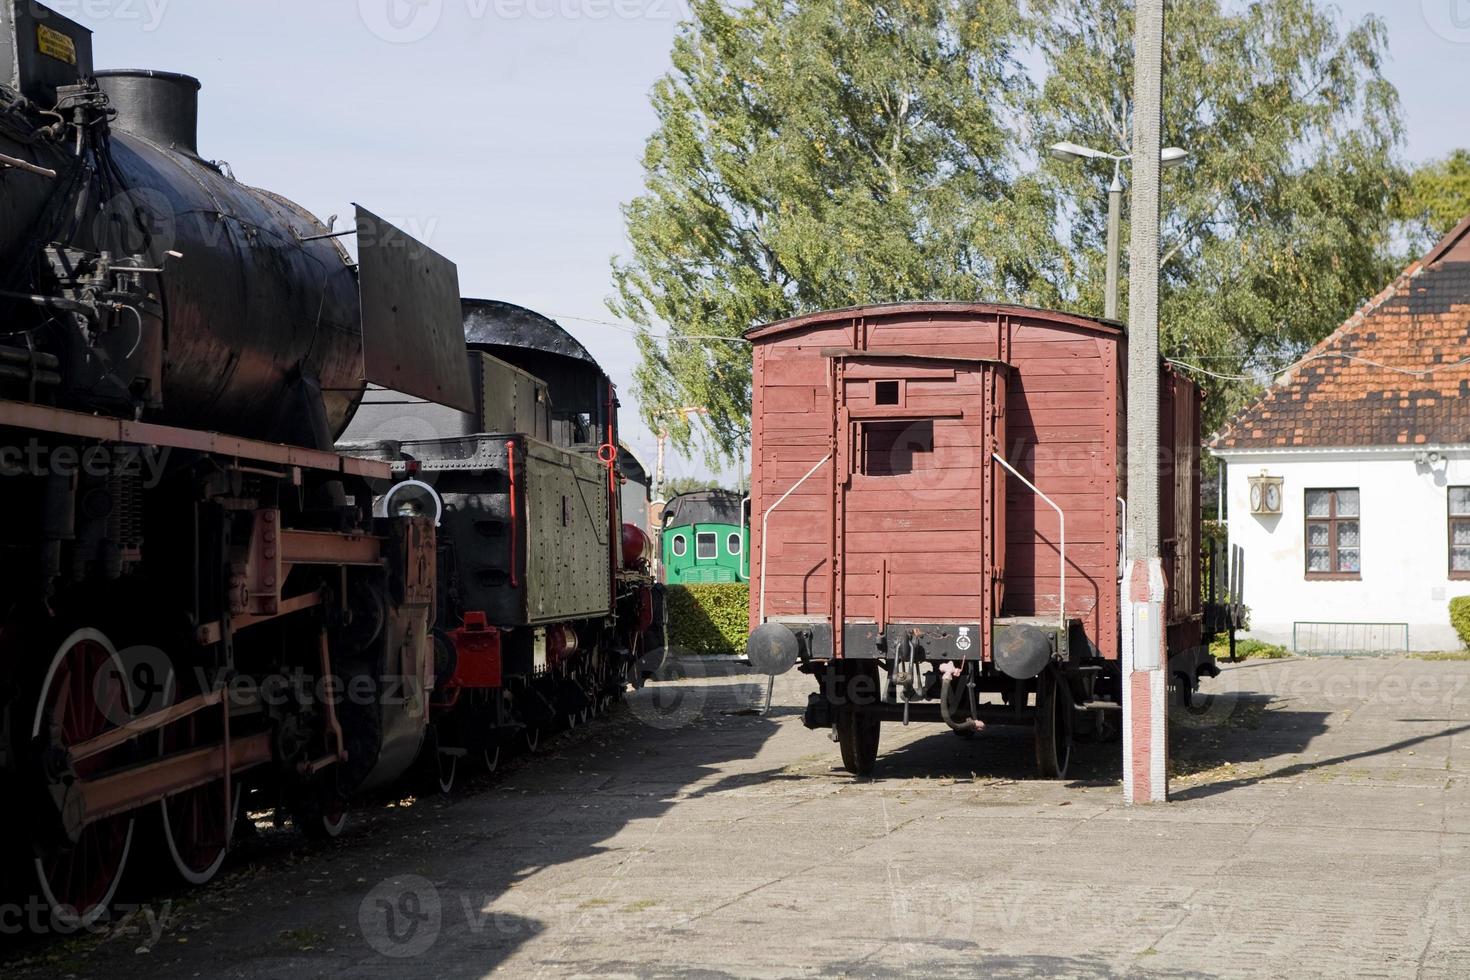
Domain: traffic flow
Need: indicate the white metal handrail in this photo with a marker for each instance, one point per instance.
(765, 524)
(1122, 539)
(745, 549)
(1062, 597)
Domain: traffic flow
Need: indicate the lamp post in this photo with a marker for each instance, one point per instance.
(1172, 156)
(663, 443)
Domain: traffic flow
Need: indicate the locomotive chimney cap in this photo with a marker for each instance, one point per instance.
(162, 106)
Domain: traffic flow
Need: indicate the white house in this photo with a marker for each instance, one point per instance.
(1348, 484)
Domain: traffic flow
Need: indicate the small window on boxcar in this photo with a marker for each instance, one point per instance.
(681, 546)
(706, 546)
(896, 448)
(733, 544)
(885, 392)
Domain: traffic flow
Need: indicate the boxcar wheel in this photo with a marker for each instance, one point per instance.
(1053, 725)
(857, 735)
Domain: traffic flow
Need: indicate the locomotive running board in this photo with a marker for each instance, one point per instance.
(61, 421)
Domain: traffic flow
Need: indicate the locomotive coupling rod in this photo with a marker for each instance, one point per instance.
(30, 168)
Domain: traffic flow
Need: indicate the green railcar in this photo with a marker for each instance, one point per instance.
(705, 539)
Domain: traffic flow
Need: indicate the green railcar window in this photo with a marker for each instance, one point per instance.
(733, 544)
(706, 546)
(681, 546)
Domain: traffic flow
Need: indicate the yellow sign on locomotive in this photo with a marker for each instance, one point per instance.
(55, 44)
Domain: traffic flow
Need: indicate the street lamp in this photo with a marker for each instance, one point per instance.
(1172, 156)
(663, 442)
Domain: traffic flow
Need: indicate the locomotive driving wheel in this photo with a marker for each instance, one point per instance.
(447, 769)
(1053, 724)
(196, 825)
(84, 694)
(322, 820)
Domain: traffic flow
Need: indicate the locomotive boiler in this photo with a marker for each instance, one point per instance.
(203, 615)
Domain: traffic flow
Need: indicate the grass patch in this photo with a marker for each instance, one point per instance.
(1452, 655)
(1249, 650)
(641, 906)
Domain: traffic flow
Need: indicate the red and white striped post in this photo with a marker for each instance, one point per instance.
(1145, 658)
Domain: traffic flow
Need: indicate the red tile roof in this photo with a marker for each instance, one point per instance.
(1396, 374)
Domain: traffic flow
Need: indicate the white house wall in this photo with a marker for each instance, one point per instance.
(1405, 543)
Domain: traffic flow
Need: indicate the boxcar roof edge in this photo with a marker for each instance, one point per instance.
(767, 330)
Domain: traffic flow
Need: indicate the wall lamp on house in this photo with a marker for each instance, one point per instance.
(1433, 464)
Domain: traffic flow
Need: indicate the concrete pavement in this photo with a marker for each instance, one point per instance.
(1321, 827)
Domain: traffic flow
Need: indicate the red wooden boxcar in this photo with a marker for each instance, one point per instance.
(922, 473)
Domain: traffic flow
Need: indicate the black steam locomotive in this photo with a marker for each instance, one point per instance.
(208, 608)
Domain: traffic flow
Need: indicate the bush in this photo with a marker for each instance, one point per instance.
(709, 618)
(1249, 650)
(1460, 617)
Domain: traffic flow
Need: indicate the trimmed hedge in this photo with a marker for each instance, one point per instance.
(709, 618)
(1460, 618)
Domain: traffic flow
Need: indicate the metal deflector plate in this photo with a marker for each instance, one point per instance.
(412, 323)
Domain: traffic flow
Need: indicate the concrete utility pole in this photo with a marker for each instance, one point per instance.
(1145, 673)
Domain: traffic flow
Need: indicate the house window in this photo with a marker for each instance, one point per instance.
(1460, 533)
(706, 546)
(1334, 535)
(733, 544)
(681, 546)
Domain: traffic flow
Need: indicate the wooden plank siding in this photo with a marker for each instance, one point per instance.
(919, 512)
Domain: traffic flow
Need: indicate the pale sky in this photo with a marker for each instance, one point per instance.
(507, 133)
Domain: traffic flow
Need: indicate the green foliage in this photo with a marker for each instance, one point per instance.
(1436, 199)
(680, 485)
(1249, 650)
(1460, 618)
(1278, 226)
(822, 153)
(709, 618)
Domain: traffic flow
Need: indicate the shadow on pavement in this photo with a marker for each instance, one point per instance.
(425, 885)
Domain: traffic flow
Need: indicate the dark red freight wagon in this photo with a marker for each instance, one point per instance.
(922, 475)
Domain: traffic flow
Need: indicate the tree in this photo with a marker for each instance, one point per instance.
(677, 486)
(1435, 200)
(821, 154)
(1279, 225)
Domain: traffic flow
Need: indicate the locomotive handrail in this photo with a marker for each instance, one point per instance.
(1062, 637)
(765, 524)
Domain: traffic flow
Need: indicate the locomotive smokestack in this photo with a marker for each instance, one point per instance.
(157, 105)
